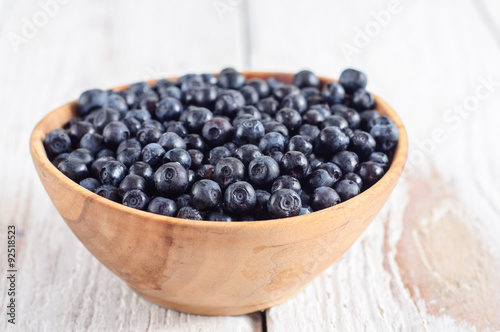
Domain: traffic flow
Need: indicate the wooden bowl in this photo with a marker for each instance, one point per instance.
(211, 268)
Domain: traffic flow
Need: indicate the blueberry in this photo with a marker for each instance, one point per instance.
(143, 170)
(189, 83)
(250, 94)
(296, 101)
(203, 97)
(191, 178)
(276, 155)
(148, 103)
(323, 109)
(219, 215)
(363, 144)
(57, 141)
(78, 129)
(318, 178)
(153, 154)
(352, 80)
(138, 114)
(140, 88)
(335, 121)
(171, 141)
(305, 78)
(268, 105)
(379, 158)
(91, 100)
(349, 132)
(315, 100)
(333, 169)
(386, 136)
(163, 206)
(324, 197)
(75, 169)
(249, 131)
(274, 83)
(194, 141)
(155, 123)
(133, 125)
(98, 163)
(129, 97)
(310, 91)
(301, 143)
(217, 131)
(331, 140)
(171, 179)
(206, 194)
(184, 200)
(180, 156)
(315, 161)
(333, 93)
(347, 189)
(240, 198)
(131, 182)
(250, 110)
(248, 152)
(228, 170)
(290, 118)
(104, 116)
(129, 156)
(313, 117)
(352, 117)
(130, 143)
(218, 153)
(355, 178)
(260, 86)
(136, 199)
(362, 100)
(112, 173)
(263, 171)
(370, 173)
(108, 191)
(148, 134)
(105, 153)
(171, 91)
(114, 133)
(90, 184)
(195, 117)
(283, 90)
(286, 182)
(162, 83)
(196, 158)
(168, 109)
(272, 142)
(367, 116)
(231, 80)
(284, 203)
(60, 157)
(231, 146)
(275, 126)
(229, 102)
(305, 210)
(205, 171)
(189, 212)
(209, 78)
(260, 210)
(309, 130)
(296, 164)
(346, 160)
(175, 127)
(83, 155)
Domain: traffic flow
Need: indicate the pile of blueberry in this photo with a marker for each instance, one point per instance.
(224, 148)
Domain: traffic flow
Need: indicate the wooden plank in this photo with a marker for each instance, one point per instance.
(429, 261)
(61, 286)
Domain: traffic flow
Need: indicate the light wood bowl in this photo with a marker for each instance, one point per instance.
(211, 268)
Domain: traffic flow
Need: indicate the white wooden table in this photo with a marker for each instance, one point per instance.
(429, 261)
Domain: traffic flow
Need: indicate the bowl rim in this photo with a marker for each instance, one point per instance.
(395, 170)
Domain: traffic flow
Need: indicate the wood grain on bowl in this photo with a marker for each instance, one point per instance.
(206, 267)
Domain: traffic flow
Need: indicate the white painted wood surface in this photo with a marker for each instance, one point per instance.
(429, 261)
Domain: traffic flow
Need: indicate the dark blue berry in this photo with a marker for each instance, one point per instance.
(370, 172)
(194, 141)
(355, 178)
(347, 189)
(206, 194)
(171, 141)
(305, 78)
(363, 144)
(148, 134)
(246, 153)
(290, 118)
(333, 93)
(296, 101)
(263, 171)
(295, 163)
(331, 140)
(138, 114)
(217, 131)
(180, 156)
(171, 179)
(362, 100)
(83, 155)
(195, 118)
(335, 121)
(250, 94)
(78, 129)
(332, 169)
(260, 86)
(129, 96)
(231, 80)
(129, 156)
(108, 191)
(379, 158)
(105, 153)
(60, 157)
(240, 198)
(346, 160)
(301, 143)
(75, 169)
(168, 109)
(284, 90)
(114, 133)
(248, 131)
(153, 154)
(112, 173)
(205, 171)
(218, 153)
(275, 126)
(367, 116)
(284, 203)
(196, 158)
(104, 116)
(163, 206)
(318, 178)
(143, 170)
(352, 80)
(324, 197)
(90, 184)
(189, 212)
(130, 143)
(133, 125)
(140, 88)
(286, 182)
(131, 182)
(228, 103)
(57, 141)
(136, 199)
(175, 127)
(272, 141)
(116, 102)
(228, 170)
(250, 110)
(260, 210)
(305, 210)
(148, 103)
(219, 215)
(268, 105)
(386, 136)
(154, 123)
(184, 200)
(98, 163)
(309, 130)
(352, 117)
(91, 100)
(313, 117)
